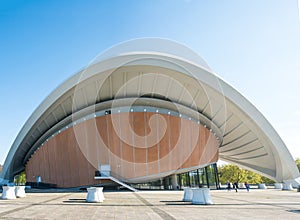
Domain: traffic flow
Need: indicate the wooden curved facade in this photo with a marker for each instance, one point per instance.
(138, 146)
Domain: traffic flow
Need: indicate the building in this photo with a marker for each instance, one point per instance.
(145, 111)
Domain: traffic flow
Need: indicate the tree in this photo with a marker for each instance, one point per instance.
(267, 180)
(297, 161)
(233, 173)
(20, 179)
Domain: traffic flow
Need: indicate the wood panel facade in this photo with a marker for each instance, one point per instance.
(137, 145)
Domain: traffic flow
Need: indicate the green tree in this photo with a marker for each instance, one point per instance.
(233, 173)
(297, 161)
(20, 179)
(267, 180)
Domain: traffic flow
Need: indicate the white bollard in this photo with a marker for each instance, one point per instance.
(242, 186)
(188, 195)
(287, 186)
(94, 195)
(8, 192)
(278, 185)
(20, 192)
(100, 193)
(201, 196)
(262, 186)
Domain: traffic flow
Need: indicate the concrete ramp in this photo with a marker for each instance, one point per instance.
(116, 181)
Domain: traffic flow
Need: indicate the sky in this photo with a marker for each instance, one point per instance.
(254, 45)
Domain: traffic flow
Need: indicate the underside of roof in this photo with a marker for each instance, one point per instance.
(246, 137)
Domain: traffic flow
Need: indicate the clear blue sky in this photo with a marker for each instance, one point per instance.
(252, 44)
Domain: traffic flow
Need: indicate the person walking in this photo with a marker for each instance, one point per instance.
(247, 186)
(235, 186)
(228, 185)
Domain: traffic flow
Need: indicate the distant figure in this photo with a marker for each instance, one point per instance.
(247, 186)
(228, 186)
(235, 186)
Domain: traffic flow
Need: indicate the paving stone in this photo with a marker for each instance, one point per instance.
(58, 204)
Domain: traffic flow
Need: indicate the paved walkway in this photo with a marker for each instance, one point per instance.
(257, 204)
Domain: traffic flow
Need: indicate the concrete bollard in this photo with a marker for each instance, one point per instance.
(201, 196)
(242, 186)
(262, 186)
(8, 192)
(95, 194)
(187, 195)
(278, 185)
(287, 186)
(20, 192)
(100, 193)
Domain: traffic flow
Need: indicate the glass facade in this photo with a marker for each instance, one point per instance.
(206, 177)
(203, 177)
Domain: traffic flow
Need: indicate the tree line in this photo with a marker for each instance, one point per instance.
(233, 173)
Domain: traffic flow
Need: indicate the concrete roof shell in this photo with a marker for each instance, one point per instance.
(246, 137)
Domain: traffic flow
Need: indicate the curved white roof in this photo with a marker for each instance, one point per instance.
(246, 137)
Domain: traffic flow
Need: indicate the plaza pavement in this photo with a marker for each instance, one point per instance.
(57, 204)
